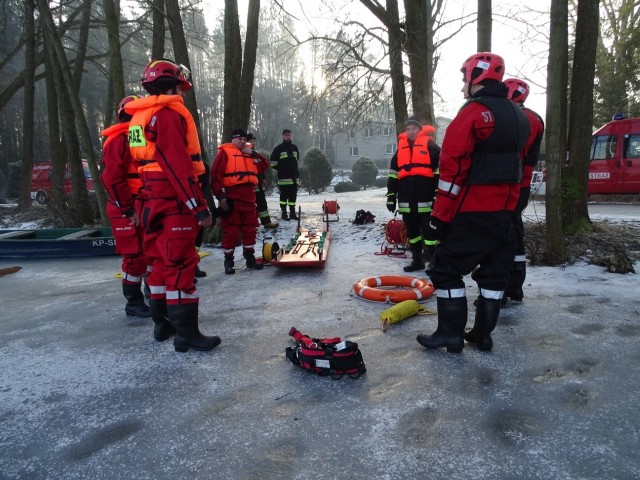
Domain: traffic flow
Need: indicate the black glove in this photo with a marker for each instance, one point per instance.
(391, 203)
(436, 229)
(202, 214)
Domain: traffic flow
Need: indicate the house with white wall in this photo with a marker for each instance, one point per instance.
(375, 140)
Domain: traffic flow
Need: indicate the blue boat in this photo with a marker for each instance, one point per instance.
(57, 243)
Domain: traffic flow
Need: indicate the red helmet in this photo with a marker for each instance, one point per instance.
(166, 68)
(485, 65)
(518, 89)
(123, 102)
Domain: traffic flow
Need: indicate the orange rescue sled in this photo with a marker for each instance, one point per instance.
(307, 248)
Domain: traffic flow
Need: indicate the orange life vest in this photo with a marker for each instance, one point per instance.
(417, 162)
(241, 169)
(133, 177)
(142, 148)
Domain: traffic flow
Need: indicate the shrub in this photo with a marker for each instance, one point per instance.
(315, 172)
(380, 182)
(364, 172)
(346, 187)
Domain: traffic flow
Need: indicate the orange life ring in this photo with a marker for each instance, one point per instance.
(416, 288)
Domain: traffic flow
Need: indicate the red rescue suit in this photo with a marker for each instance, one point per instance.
(480, 172)
(531, 151)
(234, 177)
(163, 137)
(530, 155)
(122, 182)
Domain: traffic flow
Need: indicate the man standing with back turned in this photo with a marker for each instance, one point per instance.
(518, 93)
(122, 182)
(480, 171)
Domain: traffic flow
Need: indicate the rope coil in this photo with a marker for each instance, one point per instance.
(395, 244)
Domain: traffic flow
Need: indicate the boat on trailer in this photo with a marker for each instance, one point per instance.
(57, 243)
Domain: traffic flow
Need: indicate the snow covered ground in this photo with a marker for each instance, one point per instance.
(87, 393)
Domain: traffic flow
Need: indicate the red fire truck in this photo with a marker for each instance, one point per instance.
(615, 158)
(41, 185)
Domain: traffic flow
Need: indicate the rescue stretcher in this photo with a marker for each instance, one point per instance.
(307, 247)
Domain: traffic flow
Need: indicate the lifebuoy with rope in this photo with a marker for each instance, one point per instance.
(377, 288)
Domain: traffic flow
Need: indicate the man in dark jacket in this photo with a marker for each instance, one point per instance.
(412, 183)
(480, 171)
(284, 160)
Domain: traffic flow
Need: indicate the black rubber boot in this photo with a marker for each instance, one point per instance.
(517, 277)
(184, 318)
(250, 257)
(452, 318)
(487, 312)
(284, 215)
(417, 263)
(268, 224)
(162, 329)
(292, 213)
(228, 264)
(135, 306)
(200, 273)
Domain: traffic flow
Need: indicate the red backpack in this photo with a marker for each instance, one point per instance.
(326, 356)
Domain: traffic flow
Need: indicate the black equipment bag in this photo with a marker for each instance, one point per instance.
(363, 217)
(326, 356)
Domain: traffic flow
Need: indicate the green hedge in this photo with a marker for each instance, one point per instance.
(346, 187)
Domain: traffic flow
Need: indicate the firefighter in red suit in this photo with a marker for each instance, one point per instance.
(480, 173)
(518, 93)
(163, 137)
(122, 182)
(234, 178)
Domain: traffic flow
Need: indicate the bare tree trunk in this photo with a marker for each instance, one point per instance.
(157, 47)
(182, 56)
(82, 206)
(249, 61)
(418, 44)
(18, 81)
(116, 73)
(397, 74)
(79, 117)
(418, 20)
(484, 25)
(575, 212)
(82, 209)
(29, 105)
(232, 68)
(556, 129)
(83, 38)
(58, 152)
